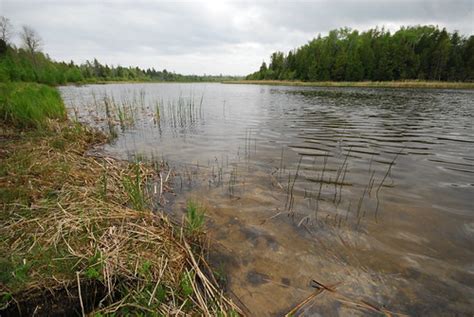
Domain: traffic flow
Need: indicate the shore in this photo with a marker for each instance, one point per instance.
(362, 84)
(83, 234)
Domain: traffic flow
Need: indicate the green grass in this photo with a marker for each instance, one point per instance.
(195, 217)
(133, 187)
(366, 84)
(29, 105)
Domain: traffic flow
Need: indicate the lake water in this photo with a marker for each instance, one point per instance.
(368, 191)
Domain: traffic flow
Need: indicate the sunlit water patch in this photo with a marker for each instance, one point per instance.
(366, 190)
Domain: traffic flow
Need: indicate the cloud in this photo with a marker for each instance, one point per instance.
(230, 37)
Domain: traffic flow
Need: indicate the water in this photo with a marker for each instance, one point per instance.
(367, 190)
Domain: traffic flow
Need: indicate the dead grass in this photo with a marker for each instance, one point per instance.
(69, 235)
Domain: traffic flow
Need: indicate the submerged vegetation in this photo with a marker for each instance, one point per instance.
(416, 52)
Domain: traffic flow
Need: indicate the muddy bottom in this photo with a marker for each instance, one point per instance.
(271, 258)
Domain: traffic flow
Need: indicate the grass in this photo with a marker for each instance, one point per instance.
(133, 188)
(29, 105)
(368, 84)
(195, 217)
(75, 239)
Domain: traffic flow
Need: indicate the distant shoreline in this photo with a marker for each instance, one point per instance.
(108, 82)
(361, 84)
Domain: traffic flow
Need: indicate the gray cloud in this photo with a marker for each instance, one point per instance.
(230, 37)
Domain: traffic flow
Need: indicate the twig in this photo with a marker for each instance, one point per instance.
(80, 294)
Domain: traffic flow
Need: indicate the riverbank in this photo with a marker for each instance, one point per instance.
(362, 84)
(78, 234)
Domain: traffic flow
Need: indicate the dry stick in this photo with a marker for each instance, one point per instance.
(200, 298)
(302, 220)
(167, 176)
(320, 288)
(161, 184)
(270, 218)
(303, 303)
(162, 270)
(80, 295)
(210, 289)
(277, 182)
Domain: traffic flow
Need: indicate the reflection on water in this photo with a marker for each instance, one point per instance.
(367, 190)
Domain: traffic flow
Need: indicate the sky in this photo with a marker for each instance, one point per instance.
(211, 37)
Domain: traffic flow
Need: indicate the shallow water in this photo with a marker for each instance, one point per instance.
(367, 190)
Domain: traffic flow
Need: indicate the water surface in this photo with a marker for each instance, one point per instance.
(367, 190)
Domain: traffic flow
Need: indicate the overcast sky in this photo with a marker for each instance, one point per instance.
(212, 37)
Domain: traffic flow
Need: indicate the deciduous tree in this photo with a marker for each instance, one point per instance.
(31, 40)
(6, 29)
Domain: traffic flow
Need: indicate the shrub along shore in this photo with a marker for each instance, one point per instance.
(362, 84)
(77, 233)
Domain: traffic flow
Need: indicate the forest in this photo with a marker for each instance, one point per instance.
(19, 64)
(411, 53)
(28, 63)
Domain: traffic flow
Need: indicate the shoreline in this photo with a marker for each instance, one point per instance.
(79, 233)
(108, 82)
(361, 84)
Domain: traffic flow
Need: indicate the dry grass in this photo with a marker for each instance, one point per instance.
(68, 233)
(367, 84)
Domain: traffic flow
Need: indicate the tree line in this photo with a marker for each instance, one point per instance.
(29, 64)
(411, 53)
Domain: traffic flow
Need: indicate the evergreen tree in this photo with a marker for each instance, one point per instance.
(415, 52)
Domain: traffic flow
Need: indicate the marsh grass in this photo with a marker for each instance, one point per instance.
(72, 244)
(183, 112)
(29, 105)
(321, 186)
(112, 113)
